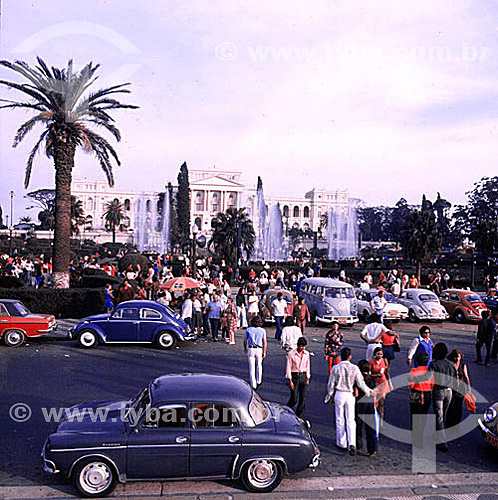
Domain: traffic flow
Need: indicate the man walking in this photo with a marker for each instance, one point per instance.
(340, 387)
(298, 373)
(485, 333)
(279, 312)
(255, 347)
(213, 310)
(372, 335)
(378, 305)
(444, 373)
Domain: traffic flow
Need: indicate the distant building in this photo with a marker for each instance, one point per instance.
(212, 191)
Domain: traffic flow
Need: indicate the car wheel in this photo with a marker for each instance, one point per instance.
(166, 340)
(413, 317)
(459, 317)
(262, 476)
(365, 316)
(88, 339)
(14, 338)
(94, 478)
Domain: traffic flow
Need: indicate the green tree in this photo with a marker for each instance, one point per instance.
(399, 216)
(233, 233)
(174, 237)
(64, 106)
(77, 215)
(113, 216)
(183, 207)
(420, 237)
(374, 223)
(479, 218)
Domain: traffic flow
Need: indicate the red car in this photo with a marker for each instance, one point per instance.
(17, 323)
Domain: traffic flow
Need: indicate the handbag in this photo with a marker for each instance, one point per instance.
(396, 344)
(470, 402)
(416, 398)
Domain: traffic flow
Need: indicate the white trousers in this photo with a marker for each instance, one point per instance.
(255, 358)
(241, 317)
(345, 424)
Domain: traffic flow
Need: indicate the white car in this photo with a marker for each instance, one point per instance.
(423, 304)
(393, 310)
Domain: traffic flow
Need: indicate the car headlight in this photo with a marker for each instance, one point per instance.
(489, 415)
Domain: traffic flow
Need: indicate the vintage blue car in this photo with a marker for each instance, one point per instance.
(491, 300)
(179, 427)
(137, 321)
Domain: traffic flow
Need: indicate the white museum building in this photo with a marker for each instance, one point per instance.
(212, 191)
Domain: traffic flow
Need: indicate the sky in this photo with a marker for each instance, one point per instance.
(387, 99)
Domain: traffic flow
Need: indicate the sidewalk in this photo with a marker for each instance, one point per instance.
(482, 486)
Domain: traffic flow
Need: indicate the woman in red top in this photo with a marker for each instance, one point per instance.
(379, 370)
(388, 341)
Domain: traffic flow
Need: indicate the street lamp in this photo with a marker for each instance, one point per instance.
(195, 232)
(11, 219)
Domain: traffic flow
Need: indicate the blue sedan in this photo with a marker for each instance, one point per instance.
(180, 426)
(136, 321)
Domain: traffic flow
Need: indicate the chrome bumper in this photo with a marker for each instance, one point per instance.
(48, 465)
(342, 320)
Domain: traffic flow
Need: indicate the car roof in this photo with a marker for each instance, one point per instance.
(201, 387)
(142, 303)
(418, 290)
(9, 301)
(326, 282)
(459, 291)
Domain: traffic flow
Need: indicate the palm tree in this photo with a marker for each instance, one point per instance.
(77, 215)
(113, 215)
(233, 232)
(65, 108)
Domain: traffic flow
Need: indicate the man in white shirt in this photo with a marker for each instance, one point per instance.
(378, 305)
(187, 310)
(290, 334)
(279, 312)
(372, 335)
(342, 381)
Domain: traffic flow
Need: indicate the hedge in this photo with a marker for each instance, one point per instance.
(62, 303)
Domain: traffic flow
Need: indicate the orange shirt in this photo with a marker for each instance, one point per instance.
(421, 386)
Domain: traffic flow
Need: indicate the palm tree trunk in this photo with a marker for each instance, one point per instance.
(64, 161)
(419, 271)
(113, 234)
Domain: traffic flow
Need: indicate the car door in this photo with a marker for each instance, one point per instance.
(4, 319)
(149, 321)
(158, 447)
(216, 440)
(122, 325)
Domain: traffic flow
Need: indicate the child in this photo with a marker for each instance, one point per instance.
(366, 414)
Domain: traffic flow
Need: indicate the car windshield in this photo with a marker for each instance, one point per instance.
(16, 309)
(138, 407)
(258, 410)
(427, 297)
(339, 293)
(287, 298)
(473, 298)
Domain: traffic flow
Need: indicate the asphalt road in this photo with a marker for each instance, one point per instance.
(54, 373)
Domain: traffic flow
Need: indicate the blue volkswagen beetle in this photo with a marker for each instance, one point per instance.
(180, 427)
(137, 321)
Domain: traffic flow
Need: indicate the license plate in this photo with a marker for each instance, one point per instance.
(435, 311)
(393, 313)
(492, 440)
(342, 321)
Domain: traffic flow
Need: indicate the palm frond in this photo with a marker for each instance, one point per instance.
(31, 157)
(26, 127)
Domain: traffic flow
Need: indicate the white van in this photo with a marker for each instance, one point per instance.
(330, 300)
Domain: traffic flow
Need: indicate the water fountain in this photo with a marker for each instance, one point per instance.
(151, 229)
(260, 222)
(274, 240)
(342, 233)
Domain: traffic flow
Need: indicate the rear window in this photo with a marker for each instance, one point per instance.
(428, 297)
(16, 309)
(473, 298)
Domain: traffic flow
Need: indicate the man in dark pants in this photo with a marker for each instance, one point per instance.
(213, 310)
(366, 415)
(485, 333)
(444, 374)
(298, 374)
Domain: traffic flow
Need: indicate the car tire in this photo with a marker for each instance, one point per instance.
(459, 317)
(412, 316)
(88, 339)
(166, 340)
(365, 316)
(14, 338)
(262, 475)
(94, 477)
